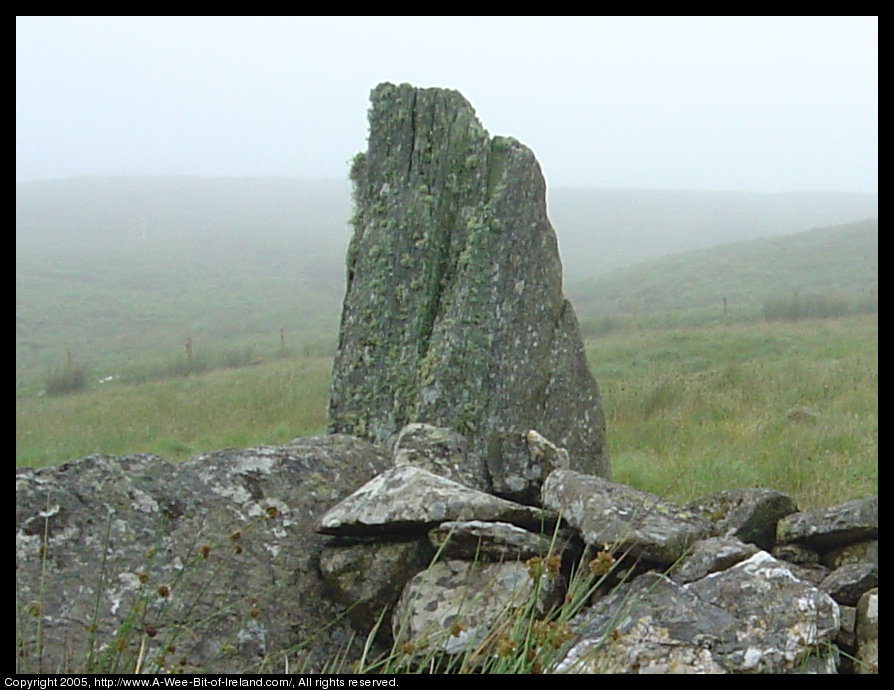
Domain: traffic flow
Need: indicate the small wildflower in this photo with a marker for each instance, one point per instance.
(151, 630)
(236, 536)
(254, 612)
(163, 591)
(456, 628)
(33, 609)
(553, 564)
(205, 550)
(271, 512)
(143, 578)
(505, 646)
(602, 563)
(408, 648)
(172, 648)
(535, 567)
(237, 548)
(42, 550)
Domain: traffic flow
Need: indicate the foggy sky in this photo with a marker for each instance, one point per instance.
(739, 103)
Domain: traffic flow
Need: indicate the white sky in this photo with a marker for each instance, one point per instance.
(748, 103)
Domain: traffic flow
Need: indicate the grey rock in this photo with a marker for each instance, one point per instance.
(796, 553)
(867, 632)
(453, 313)
(859, 552)
(754, 617)
(748, 514)
(217, 554)
(408, 500)
(811, 574)
(710, 556)
(651, 625)
(847, 633)
(784, 621)
(827, 528)
(368, 578)
(849, 582)
(453, 605)
(440, 451)
(493, 541)
(627, 519)
(519, 463)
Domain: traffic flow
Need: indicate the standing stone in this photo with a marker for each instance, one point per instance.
(454, 314)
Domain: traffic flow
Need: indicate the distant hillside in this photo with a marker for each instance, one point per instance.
(839, 260)
(121, 266)
(601, 230)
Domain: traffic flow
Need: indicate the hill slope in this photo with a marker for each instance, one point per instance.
(839, 260)
(121, 267)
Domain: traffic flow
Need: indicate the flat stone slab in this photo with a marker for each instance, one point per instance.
(410, 500)
(626, 518)
(710, 556)
(827, 528)
(747, 514)
(492, 541)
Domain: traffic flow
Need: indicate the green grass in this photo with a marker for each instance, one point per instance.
(788, 406)
(178, 417)
(838, 264)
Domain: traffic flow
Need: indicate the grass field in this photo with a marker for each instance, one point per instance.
(786, 405)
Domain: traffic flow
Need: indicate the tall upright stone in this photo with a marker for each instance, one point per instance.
(454, 313)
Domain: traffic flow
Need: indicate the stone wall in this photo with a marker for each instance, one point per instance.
(285, 558)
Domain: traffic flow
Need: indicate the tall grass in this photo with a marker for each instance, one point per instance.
(786, 405)
(177, 417)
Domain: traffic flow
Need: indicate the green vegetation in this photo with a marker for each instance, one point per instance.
(177, 417)
(196, 314)
(826, 271)
(790, 406)
(787, 406)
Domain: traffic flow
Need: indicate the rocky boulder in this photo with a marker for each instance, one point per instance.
(454, 313)
(133, 563)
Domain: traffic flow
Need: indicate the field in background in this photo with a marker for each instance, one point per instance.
(786, 405)
(183, 315)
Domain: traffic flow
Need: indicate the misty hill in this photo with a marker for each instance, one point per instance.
(839, 260)
(119, 265)
(601, 230)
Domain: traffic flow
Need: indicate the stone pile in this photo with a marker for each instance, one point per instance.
(735, 582)
(454, 313)
(273, 559)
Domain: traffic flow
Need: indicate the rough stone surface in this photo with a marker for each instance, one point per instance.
(454, 313)
(849, 582)
(827, 528)
(454, 604)
(217, 554)
(441, 451)
(867, 632)
(492, 541)
(711, 555)
(796, 553)
(608, 513)
(409, 500)
(368, 578)
(754, 617)
(748, 514)
(519, 463)
(859, 552)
